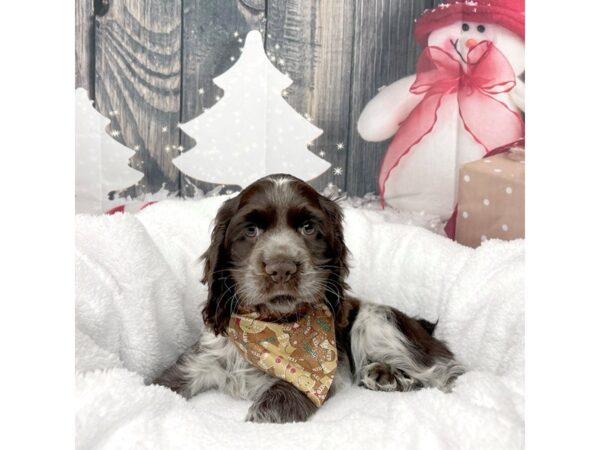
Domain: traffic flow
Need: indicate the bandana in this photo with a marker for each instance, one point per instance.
(303, 353)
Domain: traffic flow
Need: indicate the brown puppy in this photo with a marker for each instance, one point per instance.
(278, 249)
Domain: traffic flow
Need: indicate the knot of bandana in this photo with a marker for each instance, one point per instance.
(303, 353)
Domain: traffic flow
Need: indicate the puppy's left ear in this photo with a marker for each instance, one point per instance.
(339, 253)
(217, 312)
(336, 218)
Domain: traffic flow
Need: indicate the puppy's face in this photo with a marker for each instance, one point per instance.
(277, 246)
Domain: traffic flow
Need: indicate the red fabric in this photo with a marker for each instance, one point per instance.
(116, 209)
(148, 204)
(508, 13)
(450, 228)
(489, 121)
(121, 208)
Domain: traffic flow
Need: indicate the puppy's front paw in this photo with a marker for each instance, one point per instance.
(281, 403)
(378, 377)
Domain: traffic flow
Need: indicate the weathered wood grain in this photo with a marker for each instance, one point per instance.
(138, 72)
(311, 40)
(84, 45)
(152, 58)
(384, 51)
(213, 34)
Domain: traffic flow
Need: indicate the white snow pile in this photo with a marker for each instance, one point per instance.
(137, 309)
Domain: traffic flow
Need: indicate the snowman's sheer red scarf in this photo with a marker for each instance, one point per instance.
(490, 121)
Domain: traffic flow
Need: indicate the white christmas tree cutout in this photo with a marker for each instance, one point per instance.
(252, 131)
(101, 163)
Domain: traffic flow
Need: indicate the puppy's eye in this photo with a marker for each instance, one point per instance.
(307, 228)
(465, 27)
(480, 28)
(252, 231)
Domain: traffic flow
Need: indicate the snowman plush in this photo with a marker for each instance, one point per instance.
(464, 100)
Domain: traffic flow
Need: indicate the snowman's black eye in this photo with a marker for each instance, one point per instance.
(465, 27)
(480, 28)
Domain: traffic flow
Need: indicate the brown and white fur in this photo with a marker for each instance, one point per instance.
(278, 248)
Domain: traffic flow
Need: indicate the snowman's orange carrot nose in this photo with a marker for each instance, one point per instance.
(470, 43)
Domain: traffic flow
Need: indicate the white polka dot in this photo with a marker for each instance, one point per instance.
(487, 161)
(486, 202)
(465, 214)
(483, 237)
(504, 227)
(497, 170)
(509, 190)
(467, 178)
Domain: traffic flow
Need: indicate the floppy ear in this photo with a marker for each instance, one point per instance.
(218, 307)
(339, 255)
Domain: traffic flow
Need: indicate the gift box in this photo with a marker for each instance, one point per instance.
(491, 198)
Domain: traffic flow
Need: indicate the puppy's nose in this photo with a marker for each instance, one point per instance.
(281, 271)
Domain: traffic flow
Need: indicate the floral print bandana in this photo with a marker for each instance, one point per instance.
(302, 353)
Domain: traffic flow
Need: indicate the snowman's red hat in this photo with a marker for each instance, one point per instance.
(508, 13)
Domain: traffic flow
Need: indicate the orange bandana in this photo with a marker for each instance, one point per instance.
(302, 353)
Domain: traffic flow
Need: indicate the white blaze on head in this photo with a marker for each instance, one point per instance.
(459, 36)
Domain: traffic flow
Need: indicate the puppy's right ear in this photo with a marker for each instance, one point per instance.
(217, 312)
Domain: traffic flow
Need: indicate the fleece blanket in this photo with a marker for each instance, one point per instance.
(137, 309)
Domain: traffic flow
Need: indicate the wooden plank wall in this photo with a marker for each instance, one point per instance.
(138, 75)
(84, 45)
(149, 65)
(384, 51)
(311, 40)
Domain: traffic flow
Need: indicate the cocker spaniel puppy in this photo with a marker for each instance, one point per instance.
(278, 251)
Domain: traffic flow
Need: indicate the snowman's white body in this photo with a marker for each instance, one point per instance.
(425, 178)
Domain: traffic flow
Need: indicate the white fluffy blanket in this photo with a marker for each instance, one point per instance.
(137, 310)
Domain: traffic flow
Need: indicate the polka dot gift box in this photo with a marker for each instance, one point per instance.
(491, 198)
